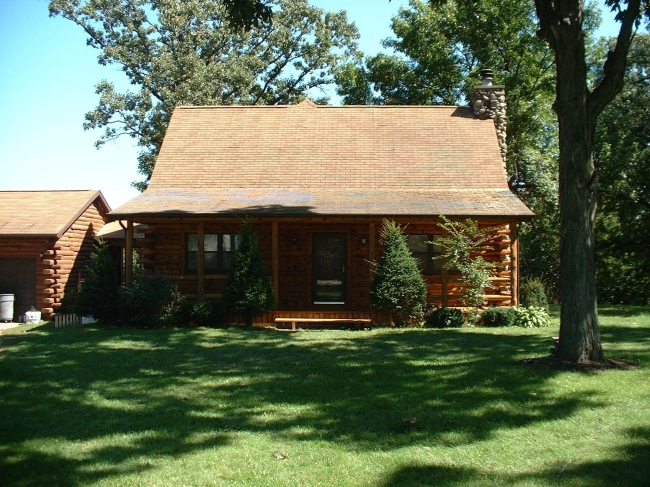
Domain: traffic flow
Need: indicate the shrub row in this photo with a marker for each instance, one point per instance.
(521, 316)
(524, 317)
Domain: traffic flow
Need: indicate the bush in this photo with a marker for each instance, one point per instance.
(202, 313)
(496, 317)
(462, 247)
(531, 317)
(99, 292)
(70, 302)
(532, 293)
(398, 286)
(445, 318)
(150, 301)
(248, 289)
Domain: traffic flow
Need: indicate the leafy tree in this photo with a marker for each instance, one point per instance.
(248, 289)
(461, 248)
(99, 292)
(439, 52)
(622, 152)
(562, 25)
(186, 52)
(398, 286)
(578, 108)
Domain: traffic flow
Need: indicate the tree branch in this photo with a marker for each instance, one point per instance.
(614, 68)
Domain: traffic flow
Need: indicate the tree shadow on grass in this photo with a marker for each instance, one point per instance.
(166, 392)
(627, 466)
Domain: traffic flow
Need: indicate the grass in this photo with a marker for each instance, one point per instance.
(200, 407)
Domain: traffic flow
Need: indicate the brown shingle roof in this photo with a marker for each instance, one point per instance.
(43, 213)
(328, 160)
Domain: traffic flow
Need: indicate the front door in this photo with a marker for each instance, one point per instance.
(330, 260)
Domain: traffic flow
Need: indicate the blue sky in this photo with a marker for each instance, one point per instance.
(47, 80)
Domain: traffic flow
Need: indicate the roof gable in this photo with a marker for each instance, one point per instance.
(44, 213)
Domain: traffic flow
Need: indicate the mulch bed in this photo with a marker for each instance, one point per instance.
(553, 363)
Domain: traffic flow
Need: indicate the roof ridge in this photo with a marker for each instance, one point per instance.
(248, 107)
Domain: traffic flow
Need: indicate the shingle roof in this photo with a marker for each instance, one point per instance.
(347, 160)
(43, 213)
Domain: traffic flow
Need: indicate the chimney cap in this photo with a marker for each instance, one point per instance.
(486, 77)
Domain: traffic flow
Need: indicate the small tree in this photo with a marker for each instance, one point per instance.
(99, 292)
(398, 286)
(461, 248)
(248, 290)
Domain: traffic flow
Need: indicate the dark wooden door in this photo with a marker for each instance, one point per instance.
(18, 277)
(330, 260)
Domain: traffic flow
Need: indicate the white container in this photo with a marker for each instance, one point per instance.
(32, 316)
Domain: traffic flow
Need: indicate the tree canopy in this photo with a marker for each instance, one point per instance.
(622, 153)
(187, 52)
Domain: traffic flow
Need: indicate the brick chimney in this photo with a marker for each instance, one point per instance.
(489, 101)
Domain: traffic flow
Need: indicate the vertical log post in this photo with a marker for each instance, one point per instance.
(444, 277)
(275, 262)
(514, 264)
(128, 251)
(200, 258)
(371, 248)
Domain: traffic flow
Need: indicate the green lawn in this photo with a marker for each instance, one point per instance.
(200, 407)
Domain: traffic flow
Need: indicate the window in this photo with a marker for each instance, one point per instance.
(218, 249)
(424, 251)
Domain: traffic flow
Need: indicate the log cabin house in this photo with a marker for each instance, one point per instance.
(317, 182)
(46, 238)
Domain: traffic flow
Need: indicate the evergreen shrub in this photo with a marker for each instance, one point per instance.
(99, 292)
(398, 286)
(150, 301)
(248, 291)
(497, 317)
(445, 318)
(532, 293)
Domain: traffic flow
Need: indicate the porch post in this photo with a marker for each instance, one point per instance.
(275, 263)
(514, 263)
(371, 248)
(128, 253)
(444, 278)
(200, 259)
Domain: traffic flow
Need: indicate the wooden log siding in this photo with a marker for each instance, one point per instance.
(165, 244)
(71, 254)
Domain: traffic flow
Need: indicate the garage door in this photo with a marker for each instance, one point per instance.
(18, 277)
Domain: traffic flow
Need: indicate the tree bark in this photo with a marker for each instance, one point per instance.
(577, 110)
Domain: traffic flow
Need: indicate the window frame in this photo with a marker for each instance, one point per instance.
(427, 266)
(221, 266)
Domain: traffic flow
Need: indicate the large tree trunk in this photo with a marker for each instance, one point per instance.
(579, 335)
(578, 109)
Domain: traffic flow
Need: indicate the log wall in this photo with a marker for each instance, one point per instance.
(163, 251)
